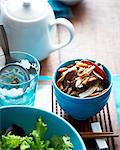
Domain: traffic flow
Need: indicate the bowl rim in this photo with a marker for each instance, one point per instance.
(50, 113)
(78, 98)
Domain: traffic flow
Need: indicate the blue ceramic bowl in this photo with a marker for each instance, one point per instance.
(26, 117)
(81, 108)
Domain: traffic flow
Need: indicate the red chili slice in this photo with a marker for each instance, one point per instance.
(97, 69)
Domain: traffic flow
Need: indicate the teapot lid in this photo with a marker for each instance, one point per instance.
(26, 10)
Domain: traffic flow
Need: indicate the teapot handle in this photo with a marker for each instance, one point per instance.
(68, 25)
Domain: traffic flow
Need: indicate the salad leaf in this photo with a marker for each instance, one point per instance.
(27, 142)
(38, 135)
(40, 129)
(24, 145)
(35, 140)
(61, 143)
(11, 141)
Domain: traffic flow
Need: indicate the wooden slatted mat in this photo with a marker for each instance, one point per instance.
(46, 100)
(83, 126)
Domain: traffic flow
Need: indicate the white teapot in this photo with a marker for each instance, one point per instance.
(28, 25)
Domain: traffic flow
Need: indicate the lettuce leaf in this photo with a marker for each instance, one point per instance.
(38, 135)
(9, 142)
(61, 143)
(35, 140)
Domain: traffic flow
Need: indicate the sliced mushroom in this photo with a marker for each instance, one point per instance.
(92, 78)
(81, 69)
(71, 75)
(62, 69)
(87, 71)
(100, 88)
(65, 89)
(74, 93)
(61, 86)
(71, 65)
(69, 90)
(81, 64)
(85, 81)
(95, 94)
(78, 82)
(90, 90)
(59, 82)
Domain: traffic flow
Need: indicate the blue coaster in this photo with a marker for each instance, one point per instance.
(116, 93)
(45, 78)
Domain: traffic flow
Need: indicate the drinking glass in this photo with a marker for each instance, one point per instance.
(18, 79)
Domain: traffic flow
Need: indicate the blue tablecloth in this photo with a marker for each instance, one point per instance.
(116, 93)
(60, 9)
